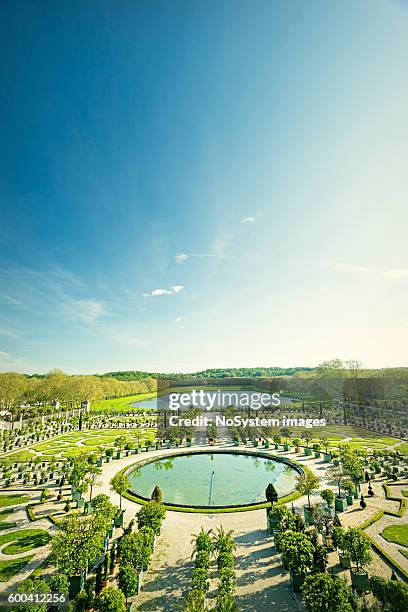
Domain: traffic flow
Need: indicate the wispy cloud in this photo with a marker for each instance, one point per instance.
(248, 220)
(7, 332)
(30, 287)
(178, 319)
(181, 258)
(354, 269)
(125, 339)
(66, 277)
(159, 292)
(85, 311)
(10, 362)
(10, 300)
(401, 274)
(394, 274)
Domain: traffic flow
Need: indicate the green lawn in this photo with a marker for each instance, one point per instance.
(78, 442)
(10, 568)
(337, 434)
(4, 514)
(24, 540)
(12, 500)
(403, 552)
(7, 525)
(397, 534)
(23, 455)
(75, 452)
(122, 402)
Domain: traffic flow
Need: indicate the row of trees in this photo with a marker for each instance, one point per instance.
(18, 390)
(324, 592)
(210, 373)
(81, 544)
(81, 540)
(335, 380)
(220, 544)
(341, 381)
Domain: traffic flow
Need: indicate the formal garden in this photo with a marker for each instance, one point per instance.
(71, 520)
(107, 504)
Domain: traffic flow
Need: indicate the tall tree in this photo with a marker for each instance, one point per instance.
(120, 484)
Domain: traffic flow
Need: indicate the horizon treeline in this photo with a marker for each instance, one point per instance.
(209, 373)
(335, 380)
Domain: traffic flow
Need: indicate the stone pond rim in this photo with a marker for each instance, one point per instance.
(135, 496)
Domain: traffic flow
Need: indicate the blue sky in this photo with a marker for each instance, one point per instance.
(203, 184)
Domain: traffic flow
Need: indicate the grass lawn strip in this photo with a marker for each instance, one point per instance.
(71, 445)
(24, 540)
(5, 524)
(397, 534)
(12, 500)
(11, 567)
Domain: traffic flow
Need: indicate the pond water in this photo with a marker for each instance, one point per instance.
(162, 402)
(213, 479)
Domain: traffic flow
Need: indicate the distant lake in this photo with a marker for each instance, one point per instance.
(223, 399)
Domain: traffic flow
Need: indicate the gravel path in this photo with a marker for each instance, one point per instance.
(261, 581)
(19, 516)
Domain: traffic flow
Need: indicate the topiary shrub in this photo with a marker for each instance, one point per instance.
(322, 592)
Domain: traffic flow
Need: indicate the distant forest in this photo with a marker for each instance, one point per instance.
(210, 373)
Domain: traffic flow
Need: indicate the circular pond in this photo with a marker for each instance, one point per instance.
(213, 479)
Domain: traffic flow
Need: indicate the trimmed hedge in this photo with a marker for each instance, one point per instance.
(402, 502)
(32, 517)
(376, 517)
(262, 505)
(391, 560)
(372, 520)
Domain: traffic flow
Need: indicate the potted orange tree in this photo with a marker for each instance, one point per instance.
(306, 485)
(297, 553)
(358, 545)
